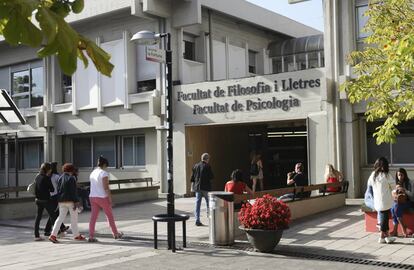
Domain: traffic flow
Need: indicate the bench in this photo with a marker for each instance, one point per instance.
(371, 220)
(5, 191)
(147, 180)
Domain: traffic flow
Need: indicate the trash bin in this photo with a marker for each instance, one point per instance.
(221, 229)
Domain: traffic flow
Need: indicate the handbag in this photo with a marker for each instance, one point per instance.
(31, 188)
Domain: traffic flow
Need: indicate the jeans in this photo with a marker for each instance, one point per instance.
(64, 208)
(50, 222)
(96, 204)
(397, 211)
(384, 220)
(41, 205)
(199, 196)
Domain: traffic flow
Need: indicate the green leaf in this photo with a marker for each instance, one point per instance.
(67, 61)
(99, 57)
(47, 23)
(82, 57)
(49, 49)
(77, 6)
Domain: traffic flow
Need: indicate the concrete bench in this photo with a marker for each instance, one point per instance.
(371, 220)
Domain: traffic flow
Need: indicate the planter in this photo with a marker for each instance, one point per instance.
(263, 240)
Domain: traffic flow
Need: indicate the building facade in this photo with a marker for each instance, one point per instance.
(78, 118)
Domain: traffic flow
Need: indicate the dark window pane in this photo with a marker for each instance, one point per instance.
(277, 65)
(252, 61)
(313, 60)
(140, 151)
(22, 101)
(37, 87)
(189, 50)
(11, 155)
(128, 151)
(31, 154)
(104, 146)
(148, 85)
(82, 152)
(67, 88)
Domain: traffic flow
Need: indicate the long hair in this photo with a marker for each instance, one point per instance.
(381, 166)
(255, 157)
(237, 175)
(404, 173)
(44, 168)
(329, 171)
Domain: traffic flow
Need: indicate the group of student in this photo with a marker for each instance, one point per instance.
(386, 194)
(58, 194)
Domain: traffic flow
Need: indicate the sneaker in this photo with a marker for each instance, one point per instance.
(80, 237)
(53, 239)
(198, 223)
(92, 240)
(381, 240)
(39, 238)
(389, 239)
(119, 235)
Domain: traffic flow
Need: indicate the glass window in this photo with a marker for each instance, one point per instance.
(252, 61)
(27, 87)
(146, 71)
(12, 163)
(277, 65)
(289, 63)
(189, 50)
(301, 61)
(133, 151)
(104, 146)
(82, 151)
(398, 153)
(361, 21)
(67, 88)
(313, 60)
(2, 155)
(31, 154)
(145, 86)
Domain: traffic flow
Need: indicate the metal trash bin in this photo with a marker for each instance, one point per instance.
(221, 215)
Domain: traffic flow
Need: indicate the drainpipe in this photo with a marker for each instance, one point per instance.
(210, 40)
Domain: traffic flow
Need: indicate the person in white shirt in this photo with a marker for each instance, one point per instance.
(381, 182)
(100, 197)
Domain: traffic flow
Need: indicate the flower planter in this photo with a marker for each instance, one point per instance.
(263, 240)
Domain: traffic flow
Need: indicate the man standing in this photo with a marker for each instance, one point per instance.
(201, 182)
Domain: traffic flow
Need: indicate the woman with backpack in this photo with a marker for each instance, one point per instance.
(43, 187)
(381, 182)
(256, 171)
(68, 202)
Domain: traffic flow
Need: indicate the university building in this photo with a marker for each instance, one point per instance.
(245, 80)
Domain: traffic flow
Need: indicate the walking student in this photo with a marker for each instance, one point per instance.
(68, 202)
(54, 201)
(100, 198)
(201, 181)
(43, 187)
(381, 182)
(256, 171)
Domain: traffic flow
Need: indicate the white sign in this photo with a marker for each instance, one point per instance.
(155, 55)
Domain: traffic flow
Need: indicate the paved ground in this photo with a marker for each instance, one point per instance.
(335, 234)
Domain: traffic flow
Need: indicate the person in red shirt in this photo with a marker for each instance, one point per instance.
(236, 184)
(333, 176)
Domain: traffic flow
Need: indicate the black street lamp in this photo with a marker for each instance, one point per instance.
(151, 38)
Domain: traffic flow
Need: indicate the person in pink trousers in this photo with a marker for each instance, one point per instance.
(100, 198)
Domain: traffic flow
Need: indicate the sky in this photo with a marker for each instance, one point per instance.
(309, 12)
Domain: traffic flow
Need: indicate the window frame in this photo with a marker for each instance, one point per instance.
(27, 67)
(133, 152)
(359, 35)
(254, 53)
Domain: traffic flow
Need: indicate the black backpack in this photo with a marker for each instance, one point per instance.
(254, 169)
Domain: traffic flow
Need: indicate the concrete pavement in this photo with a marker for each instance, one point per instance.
(335, 234)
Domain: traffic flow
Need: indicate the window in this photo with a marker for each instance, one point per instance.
(277, 65)
(252, 61)
(27, 85)
(145, 86)
(301, 61)
(361, 21)
(146, 71)
(104, 146)
(398, 153)
(67, 88)
(31, 154)
(82, 152)
(313, 59)
(133, 151)
(189, 50)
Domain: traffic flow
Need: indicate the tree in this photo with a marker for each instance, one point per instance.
(385, 69)
(41, 24)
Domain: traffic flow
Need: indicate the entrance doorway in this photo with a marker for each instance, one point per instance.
(281, 144)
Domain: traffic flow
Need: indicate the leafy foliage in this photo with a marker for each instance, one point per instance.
(41, 23)
(385, 69)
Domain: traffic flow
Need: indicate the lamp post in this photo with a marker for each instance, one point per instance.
(151, 38)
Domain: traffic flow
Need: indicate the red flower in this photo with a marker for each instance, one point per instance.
(266, 213)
